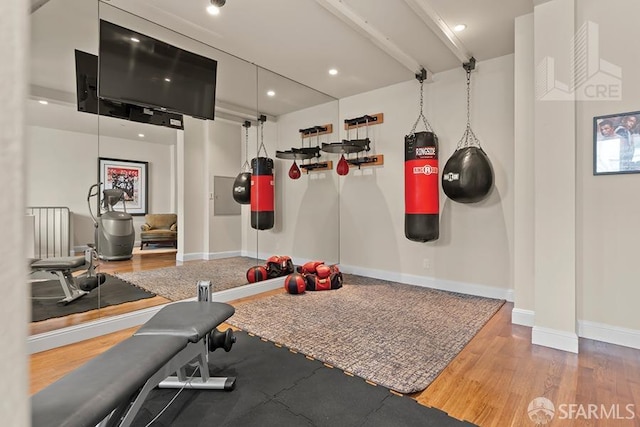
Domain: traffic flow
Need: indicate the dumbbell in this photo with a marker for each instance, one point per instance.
(219, 339)
(88, 284)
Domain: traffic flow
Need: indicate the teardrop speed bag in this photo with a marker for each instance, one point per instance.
(467, 176)
(421, 193)
(262, 193)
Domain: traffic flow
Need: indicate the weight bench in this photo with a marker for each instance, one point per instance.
(63, 268)
(110, 389)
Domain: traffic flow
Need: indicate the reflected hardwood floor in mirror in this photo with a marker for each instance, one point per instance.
(490, 383)
(147, 261)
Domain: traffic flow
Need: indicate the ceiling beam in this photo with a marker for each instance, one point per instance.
(37, 4)
(432, 19)
(355, 21)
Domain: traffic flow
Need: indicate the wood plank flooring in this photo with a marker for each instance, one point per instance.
(490, 383)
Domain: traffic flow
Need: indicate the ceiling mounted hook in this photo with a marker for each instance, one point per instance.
(470, 66)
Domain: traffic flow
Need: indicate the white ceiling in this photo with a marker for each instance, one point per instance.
(302, 39)
(293, 42)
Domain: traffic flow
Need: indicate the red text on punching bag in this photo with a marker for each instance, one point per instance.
(421, 182)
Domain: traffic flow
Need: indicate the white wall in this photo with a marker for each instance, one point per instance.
(474, 250)
(14, 312)
(596, 288)
(63, 165)
(209, 148)
(608, 206)
(524, 194)
(193, 191)
(555, 187)
(161, 171)
(227, 142)
(307, 209)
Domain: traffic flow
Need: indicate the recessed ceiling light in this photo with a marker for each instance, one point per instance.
(43, 102)
(133, 39)
(459, 27)
(271, 93)
(141, 135)
(213, 10)
(333, 71)
(167, 79)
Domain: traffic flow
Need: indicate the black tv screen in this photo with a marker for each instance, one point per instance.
(89, 102)
(138, 69)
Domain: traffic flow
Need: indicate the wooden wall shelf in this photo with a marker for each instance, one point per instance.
(370, 119)
(316, 131)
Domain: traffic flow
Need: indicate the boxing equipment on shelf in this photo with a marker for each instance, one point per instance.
(421, 192)
(468, 175)
(262, 187)
(242, 183)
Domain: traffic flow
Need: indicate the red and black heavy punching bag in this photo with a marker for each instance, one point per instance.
(421, 194)
(262, 193)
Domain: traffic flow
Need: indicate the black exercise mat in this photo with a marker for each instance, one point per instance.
(45, 296)
(276, 387)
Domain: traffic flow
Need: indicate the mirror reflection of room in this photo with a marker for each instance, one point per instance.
(153, 194)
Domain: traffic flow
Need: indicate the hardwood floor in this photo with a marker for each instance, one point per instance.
(490, 383)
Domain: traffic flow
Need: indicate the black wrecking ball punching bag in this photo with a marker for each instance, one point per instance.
(467, 176)
(242, 188)
(262, 193)
(421, 192)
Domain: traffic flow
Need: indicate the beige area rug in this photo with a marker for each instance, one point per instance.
(395, 335)
(179, 283)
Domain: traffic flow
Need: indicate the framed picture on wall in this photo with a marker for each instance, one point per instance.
(129, 176)
(616, 143)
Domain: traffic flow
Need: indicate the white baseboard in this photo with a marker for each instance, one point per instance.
(586, 329)
(430, 282)
(609, 334)
(561, 340)
(522, 317)
(220, 255)
(190, 257)
(85, 331)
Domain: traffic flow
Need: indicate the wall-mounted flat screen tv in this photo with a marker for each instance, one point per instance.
(138, 69)
(89, 102)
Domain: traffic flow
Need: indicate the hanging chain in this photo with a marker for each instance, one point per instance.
(424, 119)
(468, 139)
(261, 147)
(246, 166)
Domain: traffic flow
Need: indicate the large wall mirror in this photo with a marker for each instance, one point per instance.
(306, 225)
(64, 146)
(61, 144)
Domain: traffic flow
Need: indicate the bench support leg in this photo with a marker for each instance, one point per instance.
(69, 287)
(193, 352)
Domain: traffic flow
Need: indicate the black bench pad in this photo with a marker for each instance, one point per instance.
(59, 263)
(189, 319)
(88, 394)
